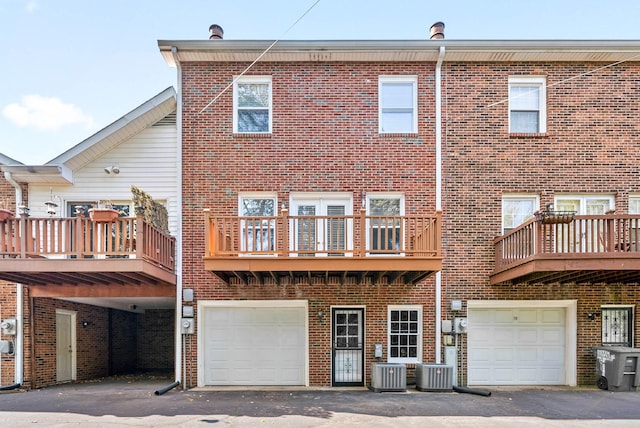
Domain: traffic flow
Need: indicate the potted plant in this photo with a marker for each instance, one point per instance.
(104, 212)
(5, 212)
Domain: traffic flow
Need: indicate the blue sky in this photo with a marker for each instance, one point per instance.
(72, 67)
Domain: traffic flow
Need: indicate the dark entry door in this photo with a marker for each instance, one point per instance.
(347, 338)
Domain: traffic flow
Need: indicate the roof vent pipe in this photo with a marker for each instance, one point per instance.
(437, 30)
(215, 32)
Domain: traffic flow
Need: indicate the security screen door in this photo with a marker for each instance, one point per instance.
(347, 339)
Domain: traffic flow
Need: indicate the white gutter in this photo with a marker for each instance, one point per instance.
(18, 353)
(178, 323)
(438, 83)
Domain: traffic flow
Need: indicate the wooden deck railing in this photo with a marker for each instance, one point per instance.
(300, 236)
(586, 234)
(80, 237)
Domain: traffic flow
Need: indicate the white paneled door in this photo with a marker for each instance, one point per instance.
(516, 346)
(254, 345)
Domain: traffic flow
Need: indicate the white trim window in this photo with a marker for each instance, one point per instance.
(404, 334)
(385, 225)
(527, 104)
(258, 228)
(516, 209)
(252, 108)
(398, 104)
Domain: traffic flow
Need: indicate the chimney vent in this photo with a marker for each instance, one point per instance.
(215, 32)
(437, 30)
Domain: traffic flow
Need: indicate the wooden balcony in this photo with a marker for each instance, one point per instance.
(588, 249)
(357, 248)
(77, 257)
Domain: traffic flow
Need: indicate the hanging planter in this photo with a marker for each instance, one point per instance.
(5, 214)
(103, 214)
(555, 217)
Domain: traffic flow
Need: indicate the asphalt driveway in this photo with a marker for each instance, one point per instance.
(131, 401)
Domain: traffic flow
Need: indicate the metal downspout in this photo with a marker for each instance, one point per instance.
(438, 84)
(178, 330)
(19, 348)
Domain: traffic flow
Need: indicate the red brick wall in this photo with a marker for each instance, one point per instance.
(155, 340)
(325, 138)
(591, 146)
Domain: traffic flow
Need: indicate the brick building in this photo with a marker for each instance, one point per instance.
(316, 168)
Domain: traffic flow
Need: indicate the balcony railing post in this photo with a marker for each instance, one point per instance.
(23, 234)
(209, 241)
(284, 218)
(438, 240)
(361, 250)
(140, 244)
(79, 236)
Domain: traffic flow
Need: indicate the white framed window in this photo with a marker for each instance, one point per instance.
(398, 104)
(634, 204)
(585, 204)
(252, 108)
(527, 104)
(518, 208)
(405, 334)
(258, 225)
(385, 226)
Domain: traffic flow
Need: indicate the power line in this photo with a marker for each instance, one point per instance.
(258, 58)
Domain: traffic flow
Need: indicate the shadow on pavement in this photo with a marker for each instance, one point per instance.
(133, 396)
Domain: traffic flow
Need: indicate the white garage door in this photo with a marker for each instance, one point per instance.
(516, 346)
(254, 345)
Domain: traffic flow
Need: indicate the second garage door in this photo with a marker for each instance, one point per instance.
(517, 346)
(254, 345)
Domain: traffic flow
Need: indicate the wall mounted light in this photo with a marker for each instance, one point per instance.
(86, 324)
(592, 315)
(112, 169)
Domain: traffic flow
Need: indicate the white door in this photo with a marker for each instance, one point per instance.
(319, 226)
(583, 205)
(65, 346)
(254, 345)
(516, 346)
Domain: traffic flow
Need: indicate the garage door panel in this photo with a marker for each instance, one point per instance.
(503, 316)
(527, 316)
(552, 317)
(254, 345)
(526, 336)
(516, 346)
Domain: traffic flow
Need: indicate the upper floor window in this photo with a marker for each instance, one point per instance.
(398, 104)
(258, 223)
(634, 204)
(516, 209)
(252, 104)
(585, 204)
(527, 105)
(385, 224)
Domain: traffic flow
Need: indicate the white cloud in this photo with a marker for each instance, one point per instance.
(31, 6)
(44, 113)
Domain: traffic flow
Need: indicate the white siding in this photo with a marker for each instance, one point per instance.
(148, 161)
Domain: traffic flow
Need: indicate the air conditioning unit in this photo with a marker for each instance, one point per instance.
(388, 377)
(434, 377)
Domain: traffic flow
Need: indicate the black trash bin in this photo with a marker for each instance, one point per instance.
(618, 368)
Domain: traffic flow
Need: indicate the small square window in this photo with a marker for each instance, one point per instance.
(252, 105)
(527, 105)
